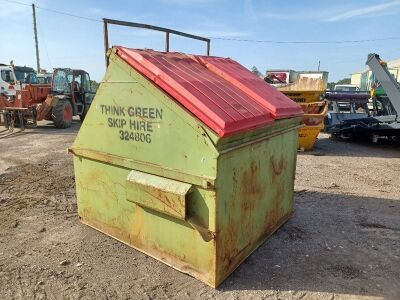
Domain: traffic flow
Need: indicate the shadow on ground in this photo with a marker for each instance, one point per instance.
(333, 243)
(338, 147)
(43, 128)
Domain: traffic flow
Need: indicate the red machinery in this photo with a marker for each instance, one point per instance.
(70, 94)
(28, 105)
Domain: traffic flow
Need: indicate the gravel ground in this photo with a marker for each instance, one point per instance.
(343, 241)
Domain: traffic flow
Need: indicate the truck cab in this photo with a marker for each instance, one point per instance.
(346, 88)
(13, 78)
(44, 78)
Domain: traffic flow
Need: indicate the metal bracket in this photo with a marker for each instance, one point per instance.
(167, 31)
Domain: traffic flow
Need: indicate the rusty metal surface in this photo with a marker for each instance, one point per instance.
(204, 181)
(158, 193)
(22, 107)
(32, 94)
(314, 112)
(255, 190)
(304, 96)
(208, 202)
(28, 97)
(255, 193)
(44, 110)
(3, 101)
(304, 84)
(102, 204)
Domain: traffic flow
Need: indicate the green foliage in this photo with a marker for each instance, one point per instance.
(344, 81)
(331, 85)
(256, 71)
(94, 85)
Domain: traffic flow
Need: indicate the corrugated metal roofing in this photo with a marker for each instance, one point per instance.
(268, 96)
(220, 92)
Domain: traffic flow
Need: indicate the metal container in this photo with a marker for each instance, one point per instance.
(308, 135)
(189, 159)
(304, 96)
(314, 115)
(315, 111)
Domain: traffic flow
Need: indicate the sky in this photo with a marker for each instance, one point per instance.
(234, 26)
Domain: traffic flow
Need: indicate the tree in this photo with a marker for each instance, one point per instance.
(256, 71)
(344, 81)
(331, 85)
(94, 85)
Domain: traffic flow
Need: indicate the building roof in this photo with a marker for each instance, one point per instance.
(392, 64)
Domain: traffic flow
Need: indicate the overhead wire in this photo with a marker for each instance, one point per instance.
(307, 42)
(54, 11)
(223, 38)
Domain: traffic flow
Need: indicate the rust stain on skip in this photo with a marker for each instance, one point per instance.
(205, 211)
(277, 167)
(275, 211)
(251, 187)
(250, 192)
(162, 196)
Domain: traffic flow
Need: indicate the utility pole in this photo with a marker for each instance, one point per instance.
(36, 38)
(319, 65)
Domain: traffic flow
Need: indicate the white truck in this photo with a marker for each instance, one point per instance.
(14, 78)
(346, 88)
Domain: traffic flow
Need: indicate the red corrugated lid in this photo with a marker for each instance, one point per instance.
(268, 96)
(217, 102)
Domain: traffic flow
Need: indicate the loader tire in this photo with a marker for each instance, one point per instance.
(62, 114)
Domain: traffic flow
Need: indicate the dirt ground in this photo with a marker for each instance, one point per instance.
(343, 241)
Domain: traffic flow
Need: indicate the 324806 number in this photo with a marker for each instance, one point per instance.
(125, 135)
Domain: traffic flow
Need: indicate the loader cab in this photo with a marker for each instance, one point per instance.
(44, 78)
(75, 86)
(25, 75)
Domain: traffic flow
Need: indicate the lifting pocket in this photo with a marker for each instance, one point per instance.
(161, 194)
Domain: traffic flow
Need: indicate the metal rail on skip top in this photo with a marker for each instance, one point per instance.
(167, 31)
